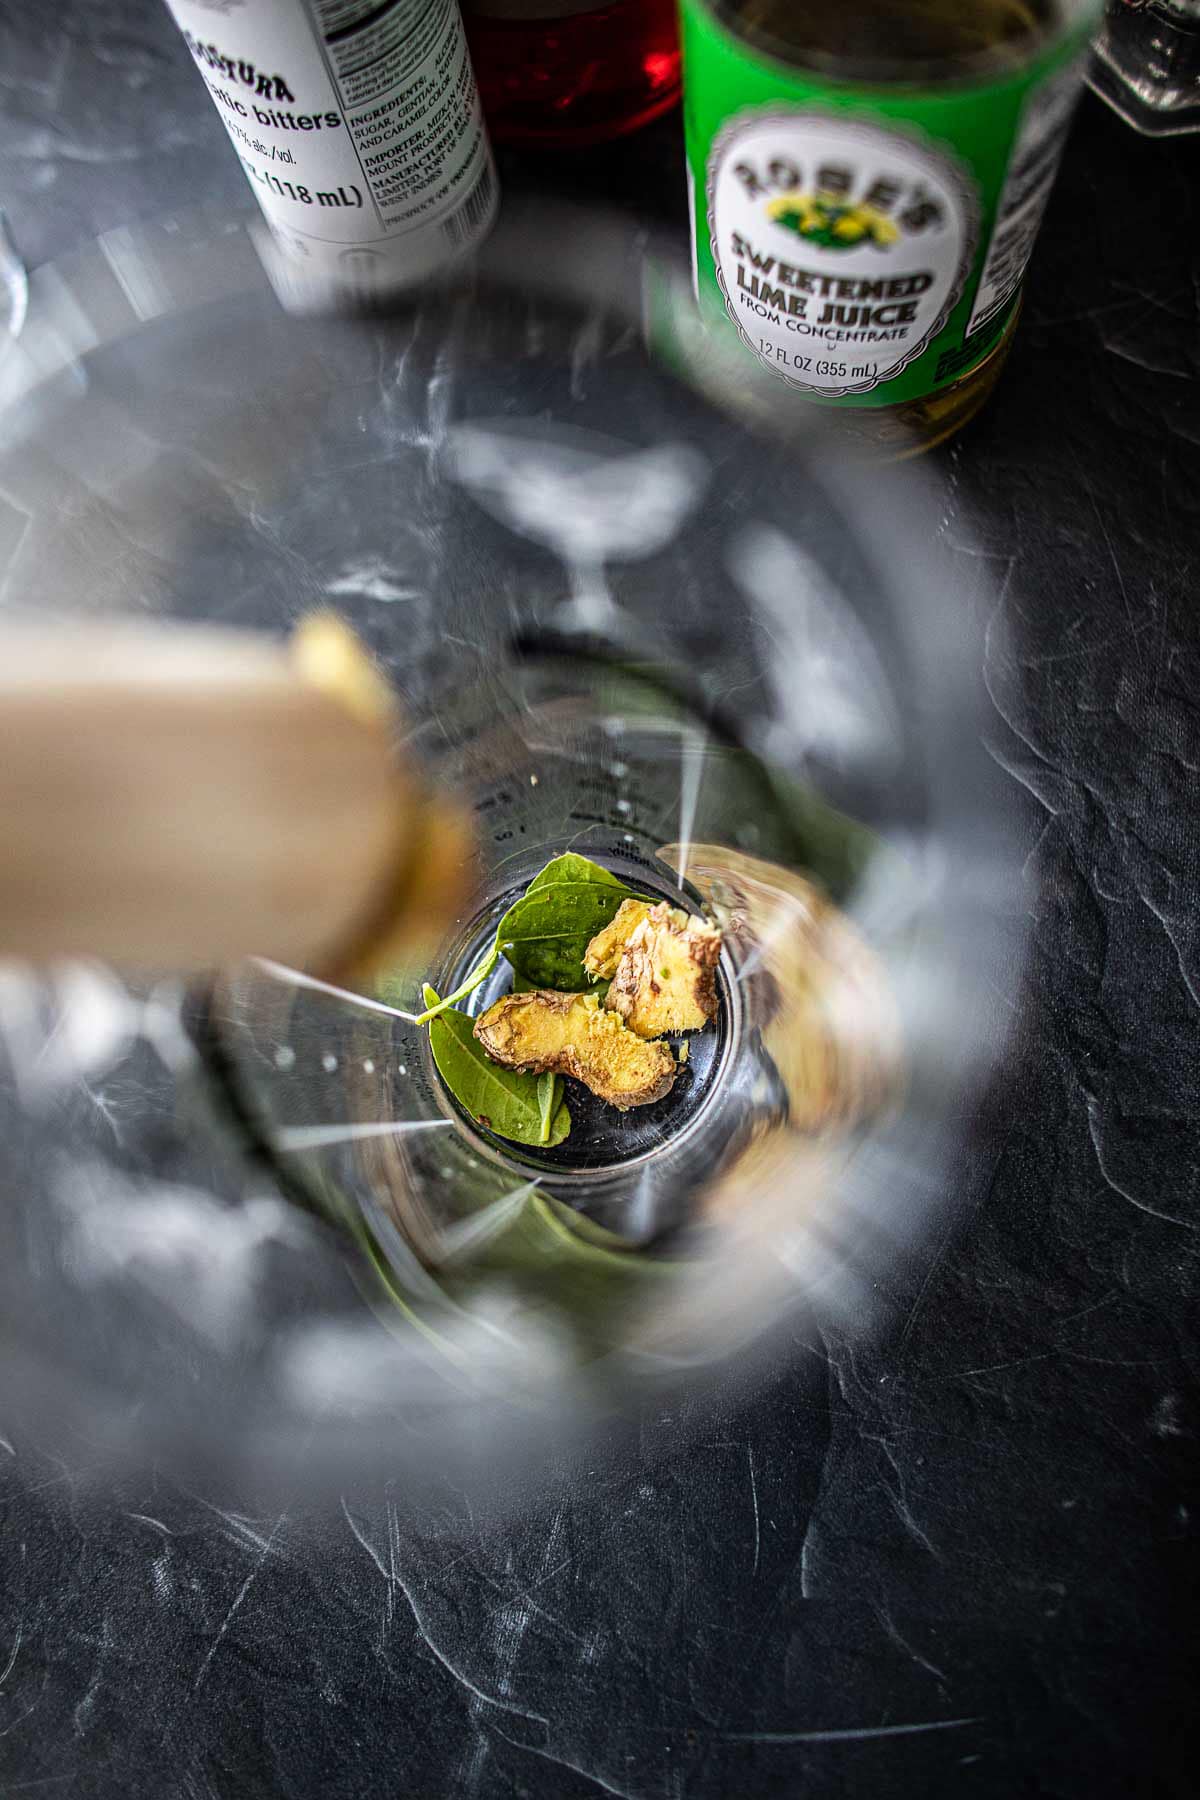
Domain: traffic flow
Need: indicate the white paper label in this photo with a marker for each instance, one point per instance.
(841, 247)
(1036, 154)
(358, 125)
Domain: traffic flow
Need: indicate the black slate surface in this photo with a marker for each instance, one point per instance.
(956, 1559)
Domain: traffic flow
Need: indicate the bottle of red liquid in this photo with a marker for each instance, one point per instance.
(557, 73)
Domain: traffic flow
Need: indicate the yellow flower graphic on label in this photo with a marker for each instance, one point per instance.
(833, 224)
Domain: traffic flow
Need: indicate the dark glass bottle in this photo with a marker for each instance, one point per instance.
(558, 73)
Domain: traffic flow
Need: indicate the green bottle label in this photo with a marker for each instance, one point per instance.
(869, 243)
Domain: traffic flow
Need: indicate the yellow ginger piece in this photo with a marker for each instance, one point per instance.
(570, 1034)
(665, 977)
(606, 948)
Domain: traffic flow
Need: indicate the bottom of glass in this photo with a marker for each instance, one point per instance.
(601, 1138)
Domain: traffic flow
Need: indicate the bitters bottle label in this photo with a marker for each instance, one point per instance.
(358, 126)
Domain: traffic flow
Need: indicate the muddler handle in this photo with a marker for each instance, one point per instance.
(174, 798)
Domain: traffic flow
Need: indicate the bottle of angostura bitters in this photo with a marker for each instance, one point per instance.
(867, 180)
(359, 127)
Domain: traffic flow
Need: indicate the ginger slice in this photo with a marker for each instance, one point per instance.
(665, 979)
(607, 947)
(570, 1034)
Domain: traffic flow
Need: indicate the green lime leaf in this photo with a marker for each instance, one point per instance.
(565, 869)
(502, 1101)
(570, 867)
(479, 973)
(545, 934)
(549, 1089)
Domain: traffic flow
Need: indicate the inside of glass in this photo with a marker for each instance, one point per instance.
(622, 624)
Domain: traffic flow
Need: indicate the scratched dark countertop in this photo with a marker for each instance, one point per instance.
(958, 1558)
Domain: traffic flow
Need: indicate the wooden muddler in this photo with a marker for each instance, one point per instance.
(176, 798)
